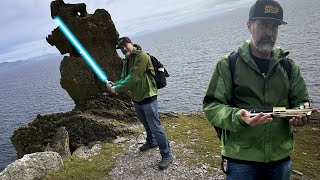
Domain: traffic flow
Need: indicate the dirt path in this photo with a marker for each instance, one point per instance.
(134, 165)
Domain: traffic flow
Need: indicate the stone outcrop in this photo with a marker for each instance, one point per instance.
(98, 35)
(82, 127)
(32, 166)
(60, 143)
(85, 152)
(96, 116)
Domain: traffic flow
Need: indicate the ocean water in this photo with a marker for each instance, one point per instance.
(189, 52)
(26, 91)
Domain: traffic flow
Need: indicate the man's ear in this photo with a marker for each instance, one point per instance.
(249, 25)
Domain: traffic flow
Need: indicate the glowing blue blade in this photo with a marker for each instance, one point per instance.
(82, 51)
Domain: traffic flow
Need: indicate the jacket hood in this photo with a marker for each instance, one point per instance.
(137, 46)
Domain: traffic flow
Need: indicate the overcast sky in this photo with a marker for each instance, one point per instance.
(26, 23)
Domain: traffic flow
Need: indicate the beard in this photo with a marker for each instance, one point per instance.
(126, 53)
(264, 45)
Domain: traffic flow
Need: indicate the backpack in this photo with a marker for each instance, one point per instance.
(232, 58)
(160, 72)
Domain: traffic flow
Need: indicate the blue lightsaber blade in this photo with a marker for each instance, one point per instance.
(82, 51)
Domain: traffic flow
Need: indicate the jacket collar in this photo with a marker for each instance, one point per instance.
(244, 52)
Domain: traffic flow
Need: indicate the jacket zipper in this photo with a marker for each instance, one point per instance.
(264, 87)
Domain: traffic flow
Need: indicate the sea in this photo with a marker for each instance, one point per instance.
(189, 51)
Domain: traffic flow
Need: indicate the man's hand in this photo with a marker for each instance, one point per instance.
(110, 83)
(111, 90)
(256, 120)
(300, 120)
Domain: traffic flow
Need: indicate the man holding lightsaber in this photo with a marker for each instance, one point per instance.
(144, 93)
(257, 147)
(142, 87)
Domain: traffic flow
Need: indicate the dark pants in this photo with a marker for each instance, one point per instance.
(149, 117)
(270, 171)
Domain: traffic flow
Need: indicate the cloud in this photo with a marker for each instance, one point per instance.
(30, 21)
(24, 21)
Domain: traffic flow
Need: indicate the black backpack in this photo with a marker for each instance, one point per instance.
(232, 64)
(160, 72)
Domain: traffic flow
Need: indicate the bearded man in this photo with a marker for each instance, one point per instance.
(259, 77)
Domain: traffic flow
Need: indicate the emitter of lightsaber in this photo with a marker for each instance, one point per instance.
(82, 51)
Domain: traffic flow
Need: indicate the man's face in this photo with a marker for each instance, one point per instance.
(126, 48)
(263, 34)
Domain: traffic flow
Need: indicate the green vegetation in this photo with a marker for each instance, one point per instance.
(306, 158)
(195, 142)
(97, 167)
(197, 139)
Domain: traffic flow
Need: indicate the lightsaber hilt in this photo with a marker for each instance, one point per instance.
(281, 112)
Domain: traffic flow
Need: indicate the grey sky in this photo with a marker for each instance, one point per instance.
(26, 23)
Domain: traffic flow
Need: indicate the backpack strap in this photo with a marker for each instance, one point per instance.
(284, 62)
(148, 71)
(232, 63)
(133, 59)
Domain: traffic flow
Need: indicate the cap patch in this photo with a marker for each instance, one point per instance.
(268, 9)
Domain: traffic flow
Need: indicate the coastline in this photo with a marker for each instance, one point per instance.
(181, 62)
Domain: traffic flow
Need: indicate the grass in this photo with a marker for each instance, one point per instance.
(98, 167)
(306, 158)
(196, 143)
(198, 138)
(197, 134)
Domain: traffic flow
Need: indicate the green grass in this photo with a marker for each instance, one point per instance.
(197, 135)
(306, 157)
(98, 167)
(195, 143)
(188, 129)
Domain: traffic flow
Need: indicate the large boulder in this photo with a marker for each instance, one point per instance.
(32, 166)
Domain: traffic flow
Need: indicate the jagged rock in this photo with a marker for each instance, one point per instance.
(87, 122)
(297, 172)
(97, 33)
(315, 129)
(81, 152)
(84, 152)
(60, 143)
(119, 140)
(82, 129)
(32, 166)
(169, 114)
(96, 116)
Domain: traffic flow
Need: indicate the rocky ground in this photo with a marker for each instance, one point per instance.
(144, 165)
(196, 151)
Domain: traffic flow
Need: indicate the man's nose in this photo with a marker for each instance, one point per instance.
(269, 31)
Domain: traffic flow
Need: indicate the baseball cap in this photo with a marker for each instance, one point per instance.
(266, 9)
(122, 41)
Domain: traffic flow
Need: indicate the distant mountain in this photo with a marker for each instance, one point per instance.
(15, 64)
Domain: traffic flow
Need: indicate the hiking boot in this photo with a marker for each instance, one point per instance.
(147, 146)
(165, 163)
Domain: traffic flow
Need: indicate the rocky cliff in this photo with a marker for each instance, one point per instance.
(96, 116)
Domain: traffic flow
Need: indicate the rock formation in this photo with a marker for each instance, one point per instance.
(60, 143)
(83, 128)
(97, 116)
(99, 37)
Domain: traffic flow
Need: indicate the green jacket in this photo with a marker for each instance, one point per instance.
(251, 89)
(134, 78)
